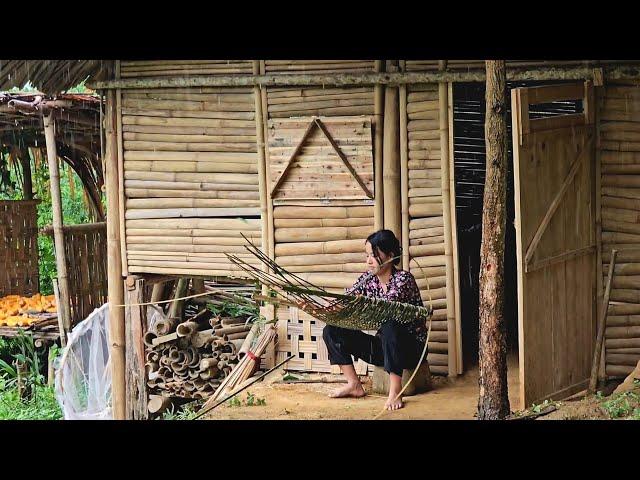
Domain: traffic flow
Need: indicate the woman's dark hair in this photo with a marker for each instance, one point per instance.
(385, 241)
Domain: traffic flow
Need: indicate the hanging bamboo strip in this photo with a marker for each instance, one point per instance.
(18, 247)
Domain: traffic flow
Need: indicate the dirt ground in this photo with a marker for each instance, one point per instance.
(454, 399)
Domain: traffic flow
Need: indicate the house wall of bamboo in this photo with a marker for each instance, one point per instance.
(190, 171)
(192, 180)
(619, 163)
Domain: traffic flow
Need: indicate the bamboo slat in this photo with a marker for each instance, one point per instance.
(18, 248)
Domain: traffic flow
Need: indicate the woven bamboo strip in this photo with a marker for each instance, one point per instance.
(189, 167)
(233, 224)
(199, 178)
(427, 241)
(188, 146)
(310, 248)
(193, 194)
(184, 240)
(177, 203)
(320, 234)
(189, 186)
(320, 259)
(191, 212)
(425, 210)
(322, 222)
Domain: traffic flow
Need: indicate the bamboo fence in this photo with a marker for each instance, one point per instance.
(18, 247)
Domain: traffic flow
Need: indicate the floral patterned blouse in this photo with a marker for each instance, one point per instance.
(402, 287)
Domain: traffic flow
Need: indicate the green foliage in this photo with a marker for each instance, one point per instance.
(250, 401)
(187, 412)
(625, 404)
(41, 406)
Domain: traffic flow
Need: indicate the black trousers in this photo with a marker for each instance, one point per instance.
(393, 347)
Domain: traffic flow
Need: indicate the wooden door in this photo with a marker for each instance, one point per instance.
(555, 241)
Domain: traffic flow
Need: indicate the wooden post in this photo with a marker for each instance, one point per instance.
(378, 115)
(598, 94)
(27, 181)
(135, 328)
(121, 200)
(114, 263)
(175, 310)
(391, 163)
(64, 308)
(404, 177)
(593, 381)
(446, 215)
(493, 402)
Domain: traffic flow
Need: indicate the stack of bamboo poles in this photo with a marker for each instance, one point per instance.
(189, 360)
(426, 213)
(307, 101)
(160, 68)
(620, 212)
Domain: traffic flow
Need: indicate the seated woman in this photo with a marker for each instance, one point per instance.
(395, 346)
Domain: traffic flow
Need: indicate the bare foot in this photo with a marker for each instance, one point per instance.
(393, 403)
(350, 390)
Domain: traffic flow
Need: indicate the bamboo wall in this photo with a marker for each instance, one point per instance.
(619, 148)
(426, 223)
(320, 232)
(18, 247)
(170, 68)
(190, 178)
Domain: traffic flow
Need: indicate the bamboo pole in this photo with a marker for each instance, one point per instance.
(27, 178)
(378, 115)
(593, 381)
(121, 204)
(64, 307)
(454, 230)
(392, 197)
(446, 215)
(114, 263)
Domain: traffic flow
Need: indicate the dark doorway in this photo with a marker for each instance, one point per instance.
(470, 165)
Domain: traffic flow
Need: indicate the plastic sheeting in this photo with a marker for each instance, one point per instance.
(83, 372)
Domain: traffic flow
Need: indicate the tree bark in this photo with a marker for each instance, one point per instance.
(493, 402)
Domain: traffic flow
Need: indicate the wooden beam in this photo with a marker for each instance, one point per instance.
(619, 72)
(64, 307)
(563, 257)
(114, 263)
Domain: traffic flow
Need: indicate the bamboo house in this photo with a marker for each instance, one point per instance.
(307, 158)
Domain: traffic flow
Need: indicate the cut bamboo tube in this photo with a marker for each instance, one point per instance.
(186, 329)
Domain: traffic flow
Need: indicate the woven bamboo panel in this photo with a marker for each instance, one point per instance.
(163, 68)
(426, 224)
(325, 245)
(317, 171)
(18, 248)
(619, 111)
(190, 177)
(318, 66)
(86, 255)
(298, 102)
(301, 334)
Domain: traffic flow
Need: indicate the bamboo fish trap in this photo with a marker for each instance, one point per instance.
(354, 312)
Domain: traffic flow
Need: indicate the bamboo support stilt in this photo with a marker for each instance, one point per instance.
(114, 263)
(64, 308)
(378, 114)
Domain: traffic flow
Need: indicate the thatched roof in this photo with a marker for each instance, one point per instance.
(50, 76)
(77, 133)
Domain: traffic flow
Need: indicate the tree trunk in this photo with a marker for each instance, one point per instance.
(493, 402)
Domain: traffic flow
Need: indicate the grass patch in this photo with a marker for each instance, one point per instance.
(41, 406)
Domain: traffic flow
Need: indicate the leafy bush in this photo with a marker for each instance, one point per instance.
(41, 406)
